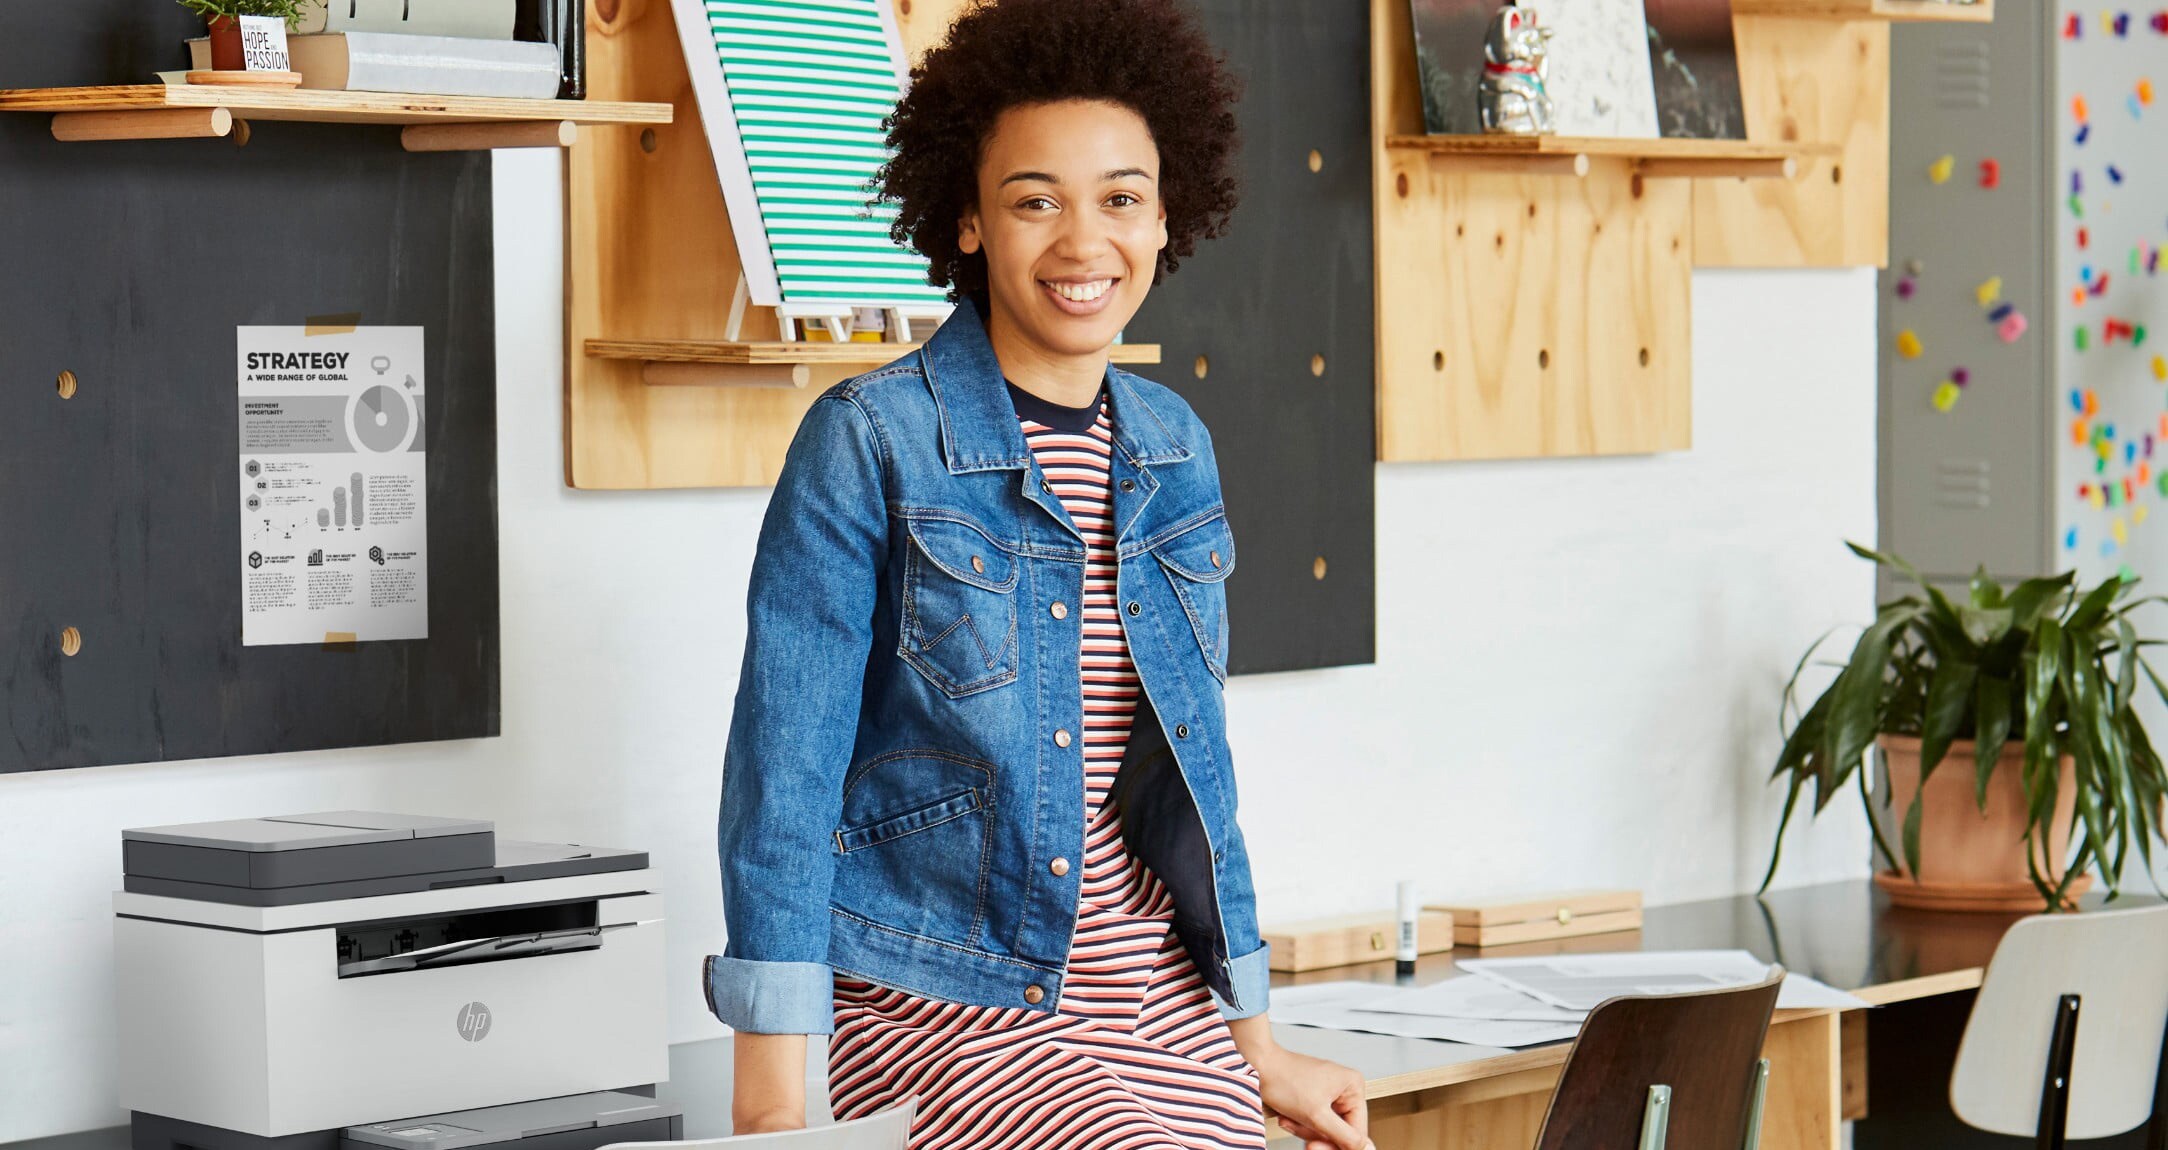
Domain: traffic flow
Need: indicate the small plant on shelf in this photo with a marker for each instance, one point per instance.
(222, 21)
(2026, 701)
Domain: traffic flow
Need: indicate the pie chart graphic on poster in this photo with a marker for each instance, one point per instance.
(382, 418)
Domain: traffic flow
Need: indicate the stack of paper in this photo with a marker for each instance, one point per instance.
(1512, 1002)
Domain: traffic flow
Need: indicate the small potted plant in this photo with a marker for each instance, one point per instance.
(223, 20)
(2007, 725)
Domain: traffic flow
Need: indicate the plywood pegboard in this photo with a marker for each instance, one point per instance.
(649, 256)
(1521, 315)
(1815, 81)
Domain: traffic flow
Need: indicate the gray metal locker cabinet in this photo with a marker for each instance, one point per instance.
(2003, 477)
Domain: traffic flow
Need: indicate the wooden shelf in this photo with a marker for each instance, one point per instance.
(1571, 155)
(779, 352)
(770, 363)
(160, 111)
(1896, 11)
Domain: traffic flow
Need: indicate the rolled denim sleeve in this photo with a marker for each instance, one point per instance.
(809, 627)
(1249, 971)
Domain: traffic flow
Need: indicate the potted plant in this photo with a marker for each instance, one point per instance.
(2007, 725)
(223, 20)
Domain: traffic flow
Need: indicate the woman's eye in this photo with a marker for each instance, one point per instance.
(1037, 202)
(1122, 200)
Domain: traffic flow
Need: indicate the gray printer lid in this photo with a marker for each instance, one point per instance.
(308, 831)
(494, 1124)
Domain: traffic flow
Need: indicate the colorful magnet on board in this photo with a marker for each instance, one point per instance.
(2160, 375)
(1940, 170)
(1906, 285)
(1989, 291)
(2137, 514)
(2130, 456)
(2083, 339)
(2077, 207)
(2078, 110)
(2115, 174)
(2000, 312)
(1915, 268)
(2100, 286)
(2073, 27)
(2085, 273)
(2077, 297)
(2012, 327)
(2107, 548)
(2137, 336)
(2160, 23)
(1908, 344)
(2145, 90)
(1960, 376)
(2116, 528)
(1990, 173)
(2077, 182)
(2152, 261)
(1945, 396)
(2070, 539)
(2077, 401)
(2077, 432)
(2122, 24)
(2092, 407)
(2137, 107)
(2085, 132)
(2099, 499)
(2085, 239)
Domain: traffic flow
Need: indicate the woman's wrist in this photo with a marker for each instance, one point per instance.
(1253, 1037)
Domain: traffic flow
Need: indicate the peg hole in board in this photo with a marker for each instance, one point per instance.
(1543, 357)
(1317, 365)
(1317, 160)
(71, 641)
(1317, 568)
(1836, 173)
(241, 133)
(903, 7)
(1400, 185)
(1437, 361)
(65, 384)
(1201, 367)
(648, 141)
(1644, 357)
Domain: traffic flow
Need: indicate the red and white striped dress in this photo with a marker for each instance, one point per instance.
(1137, 1057)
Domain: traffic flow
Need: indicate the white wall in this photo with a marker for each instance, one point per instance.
(1578, 666)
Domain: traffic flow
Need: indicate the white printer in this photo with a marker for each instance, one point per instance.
(293, 982)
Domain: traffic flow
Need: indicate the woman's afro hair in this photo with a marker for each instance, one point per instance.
(1147, 55)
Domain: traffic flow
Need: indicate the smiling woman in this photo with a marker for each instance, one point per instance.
(978, 809)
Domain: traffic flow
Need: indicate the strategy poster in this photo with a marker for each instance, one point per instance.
(333, 484)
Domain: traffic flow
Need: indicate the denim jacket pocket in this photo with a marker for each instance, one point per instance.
(896, 826)
(959, 606)
(1198, 562)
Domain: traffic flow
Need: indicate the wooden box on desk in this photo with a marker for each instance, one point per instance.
(1351, 938)
(1568, 914)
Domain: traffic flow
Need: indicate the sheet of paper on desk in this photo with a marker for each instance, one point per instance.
(1329, 1005)
(1470, 997)
(1579, 982)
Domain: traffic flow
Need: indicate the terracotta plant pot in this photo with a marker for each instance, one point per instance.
(1972, 860)
(226, 53)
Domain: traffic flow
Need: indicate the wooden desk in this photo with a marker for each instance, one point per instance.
(1426, 1094)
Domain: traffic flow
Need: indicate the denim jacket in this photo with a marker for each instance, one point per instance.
(903, 790)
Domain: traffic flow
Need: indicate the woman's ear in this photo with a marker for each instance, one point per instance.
(1162, 245)
(967, 231)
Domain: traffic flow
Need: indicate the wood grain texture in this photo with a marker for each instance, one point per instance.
(1668, 148)
(1825, 85)
(1317, 944)
(1521, 316)
(1852, 1065)
(322, 106)
(1901, 11)
(650, 259)
(804, 351)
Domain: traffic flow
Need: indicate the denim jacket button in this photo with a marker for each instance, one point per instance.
(1134, 609)
(1060, 610)
(1215, 559)
(1061, 737)
(978, 565)
(1129, 485)
(1060, 867)
(1034, 995)
(1181, 730)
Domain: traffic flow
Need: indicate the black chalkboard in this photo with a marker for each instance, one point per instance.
(130, 264)
(1290, 280)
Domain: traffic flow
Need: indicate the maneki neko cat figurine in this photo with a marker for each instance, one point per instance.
(1511, 96)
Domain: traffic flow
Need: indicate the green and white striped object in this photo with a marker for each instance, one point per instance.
(809, 82)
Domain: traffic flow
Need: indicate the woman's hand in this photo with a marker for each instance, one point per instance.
(1317, 1101)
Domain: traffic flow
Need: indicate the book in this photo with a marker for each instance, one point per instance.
(471, 19)
(435, 65)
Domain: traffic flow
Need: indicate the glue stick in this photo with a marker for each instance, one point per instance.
(1404, 954)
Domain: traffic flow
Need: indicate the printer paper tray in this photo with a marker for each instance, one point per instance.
(483, 950)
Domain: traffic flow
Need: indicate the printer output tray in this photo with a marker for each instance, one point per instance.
(516, 862)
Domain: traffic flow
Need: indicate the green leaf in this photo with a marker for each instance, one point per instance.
(1912, 835)
(1857, 703)
(2094, 606)
(1991, 730)
(1985, 591)
(2034, 596)
(1949, 694)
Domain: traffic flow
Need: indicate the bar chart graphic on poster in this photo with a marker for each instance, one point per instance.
(332, 477)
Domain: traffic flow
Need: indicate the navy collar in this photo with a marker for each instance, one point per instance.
(978, 422)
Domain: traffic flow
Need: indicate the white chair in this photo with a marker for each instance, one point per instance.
(888, 1130)
(2066, 1038)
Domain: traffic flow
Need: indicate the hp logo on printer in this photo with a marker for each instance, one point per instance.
(474, 1021)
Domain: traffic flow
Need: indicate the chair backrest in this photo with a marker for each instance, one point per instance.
(792, 97)
(2116, 962)
(1705, 1045)
(888, 1130)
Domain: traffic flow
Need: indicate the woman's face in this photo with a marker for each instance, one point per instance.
(1071, 222)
